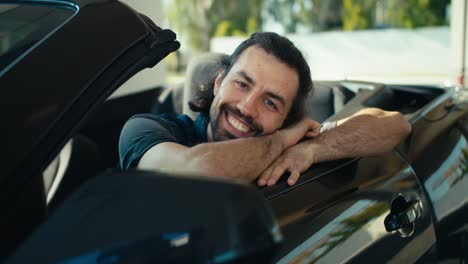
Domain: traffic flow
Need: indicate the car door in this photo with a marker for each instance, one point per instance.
(340, 211)
(337, 214)
(439, 157)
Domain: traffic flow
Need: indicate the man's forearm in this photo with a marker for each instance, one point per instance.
(368, 132)
(243, 158)
(240, 158)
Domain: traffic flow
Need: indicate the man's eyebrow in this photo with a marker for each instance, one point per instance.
(246, 77)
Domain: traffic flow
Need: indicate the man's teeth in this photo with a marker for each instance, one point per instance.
(237, 125)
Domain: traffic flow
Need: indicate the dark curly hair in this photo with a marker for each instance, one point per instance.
(283, 49)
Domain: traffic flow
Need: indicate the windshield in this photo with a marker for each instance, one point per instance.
(22, 26)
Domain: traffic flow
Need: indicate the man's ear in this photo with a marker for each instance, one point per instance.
(217, 83)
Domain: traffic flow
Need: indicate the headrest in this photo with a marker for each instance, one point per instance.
(200, 71)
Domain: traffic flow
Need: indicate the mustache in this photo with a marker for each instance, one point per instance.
(247, 119)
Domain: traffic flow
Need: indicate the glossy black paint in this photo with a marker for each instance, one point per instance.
(331, 221)
(336, 212)
(143, 217)
(72, 71)
(441, 162)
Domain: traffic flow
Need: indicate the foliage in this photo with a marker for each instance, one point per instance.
(311, 15)
(415, 13)
(364, 14)
(358, 14)
(200, 20)
(290, 13)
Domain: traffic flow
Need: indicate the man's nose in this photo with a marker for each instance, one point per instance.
(248, 105)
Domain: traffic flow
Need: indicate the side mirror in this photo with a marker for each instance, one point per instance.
(146, 217)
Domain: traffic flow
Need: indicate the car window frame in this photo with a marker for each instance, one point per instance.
(56, 4)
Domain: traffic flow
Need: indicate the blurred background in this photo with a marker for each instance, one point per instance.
(391, 41)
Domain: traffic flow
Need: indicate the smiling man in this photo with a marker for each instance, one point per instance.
(251, 123)
(254, 97)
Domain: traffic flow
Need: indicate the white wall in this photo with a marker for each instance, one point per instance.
(155, 76)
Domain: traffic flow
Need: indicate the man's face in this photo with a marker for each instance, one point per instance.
(254, 98)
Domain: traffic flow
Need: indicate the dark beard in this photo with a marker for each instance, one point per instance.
(217, 136)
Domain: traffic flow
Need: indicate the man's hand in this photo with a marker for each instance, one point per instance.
(368, 132)
(306, 128)
(295, 159)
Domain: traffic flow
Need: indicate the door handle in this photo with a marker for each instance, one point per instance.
(403, 214)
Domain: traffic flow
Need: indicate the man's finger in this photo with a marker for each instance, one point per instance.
(262, 180)
(276, 174)
(312, 133)
(312, 124)
(293, 177)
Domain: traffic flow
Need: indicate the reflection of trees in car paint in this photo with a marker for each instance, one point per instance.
(352, 224)
(337, 231)
(462, 169)
(447, 184)
(452, 170)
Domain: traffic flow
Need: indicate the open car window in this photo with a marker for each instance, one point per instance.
(24, 25)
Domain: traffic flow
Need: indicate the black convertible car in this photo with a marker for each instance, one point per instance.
(62, 201)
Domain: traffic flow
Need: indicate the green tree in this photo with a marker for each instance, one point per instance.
(326, 15)
(200, 20)
(362, 14)
(358, 14)
(312, 15)
(415, 13)
(289, 13)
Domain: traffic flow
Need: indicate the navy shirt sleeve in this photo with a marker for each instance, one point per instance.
(142, 132)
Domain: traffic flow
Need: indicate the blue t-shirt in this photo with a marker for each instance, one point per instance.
(143, 131)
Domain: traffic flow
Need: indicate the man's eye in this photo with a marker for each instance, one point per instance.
(241, 85)
(270, 104)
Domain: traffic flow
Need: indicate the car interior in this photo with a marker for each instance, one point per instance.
(93, 149)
